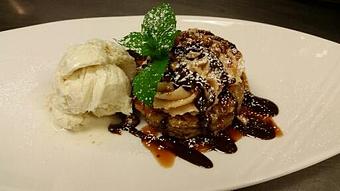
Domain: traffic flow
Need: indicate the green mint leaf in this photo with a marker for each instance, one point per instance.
(145, 83)
(159, 29)
(135, 42)
(155, 40)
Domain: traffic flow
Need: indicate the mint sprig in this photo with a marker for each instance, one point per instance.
(155, 40)
(159, 28)
(145, 83)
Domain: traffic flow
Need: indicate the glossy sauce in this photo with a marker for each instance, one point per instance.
(235, 135)
(164, 157)
(278, 132)
(256, 111)
(170, 144)
(253, 119)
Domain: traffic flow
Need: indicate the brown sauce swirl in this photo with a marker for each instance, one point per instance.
(164, 157)
(171, 144)
(251, 115)
(257, 112)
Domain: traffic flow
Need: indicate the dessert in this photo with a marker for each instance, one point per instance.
(192, 90)
(190, 86)
(203, 101)
(202, 89)
(93, 80)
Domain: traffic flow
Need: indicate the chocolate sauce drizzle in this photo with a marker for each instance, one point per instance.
(191, 155)
(253, 117)
(257, 111)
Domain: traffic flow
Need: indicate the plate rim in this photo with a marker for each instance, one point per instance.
(197, 17)
(307, 163)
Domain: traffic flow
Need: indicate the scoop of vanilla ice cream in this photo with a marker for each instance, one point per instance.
(96, 52)
(92, 81)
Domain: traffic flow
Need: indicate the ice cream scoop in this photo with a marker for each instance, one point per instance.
(92, 81)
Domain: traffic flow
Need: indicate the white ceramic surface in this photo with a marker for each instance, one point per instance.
(297, 71)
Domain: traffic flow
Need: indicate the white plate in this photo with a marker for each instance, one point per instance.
(297, 71)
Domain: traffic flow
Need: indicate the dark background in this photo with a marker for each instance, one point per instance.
(317, 17)
(320, 18)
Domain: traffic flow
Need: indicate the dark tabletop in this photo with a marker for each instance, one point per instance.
(320, 18)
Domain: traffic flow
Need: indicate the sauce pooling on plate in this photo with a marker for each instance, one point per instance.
(202, 102)
(129, 124)
(254, 119)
